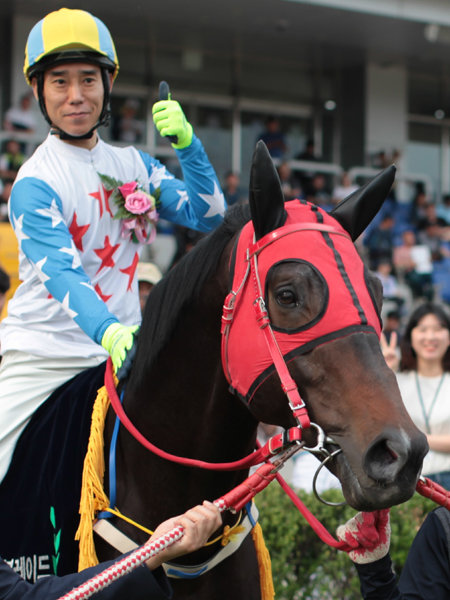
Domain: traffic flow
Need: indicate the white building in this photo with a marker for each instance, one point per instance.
(357, 76)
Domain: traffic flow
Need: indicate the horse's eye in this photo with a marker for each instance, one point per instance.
(286, 298)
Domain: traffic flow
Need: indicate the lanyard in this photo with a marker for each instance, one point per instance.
(427, 415)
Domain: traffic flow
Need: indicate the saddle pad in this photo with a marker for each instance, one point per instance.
(40, 495)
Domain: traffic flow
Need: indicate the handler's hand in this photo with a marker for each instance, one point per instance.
(199, 523)
(390, 351)
(369, 534)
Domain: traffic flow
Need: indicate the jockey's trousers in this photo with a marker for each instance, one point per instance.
(26, 381)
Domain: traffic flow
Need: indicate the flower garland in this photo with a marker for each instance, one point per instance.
(136, 209)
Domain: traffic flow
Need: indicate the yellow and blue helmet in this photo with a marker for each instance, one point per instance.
(69, 35)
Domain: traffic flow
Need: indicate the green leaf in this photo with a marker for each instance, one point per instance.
(156, 194)
(122, 213)
(117, 198)
(109, 182)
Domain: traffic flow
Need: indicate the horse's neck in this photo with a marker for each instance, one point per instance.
(186, 389)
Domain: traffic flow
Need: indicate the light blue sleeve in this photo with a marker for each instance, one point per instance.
(196, 202)
(36, 215)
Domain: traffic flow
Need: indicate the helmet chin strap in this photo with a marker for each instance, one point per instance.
(63, 135)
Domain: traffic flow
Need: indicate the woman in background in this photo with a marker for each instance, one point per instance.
(423, 377)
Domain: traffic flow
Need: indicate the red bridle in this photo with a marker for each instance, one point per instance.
(251, 346)
(288, 385)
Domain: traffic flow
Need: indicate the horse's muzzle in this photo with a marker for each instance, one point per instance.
(393, 455)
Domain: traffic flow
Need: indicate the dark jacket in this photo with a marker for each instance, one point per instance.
(140, 584)
(426, 574)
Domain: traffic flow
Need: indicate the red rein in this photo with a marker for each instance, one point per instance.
(255, 458)
(236, 498)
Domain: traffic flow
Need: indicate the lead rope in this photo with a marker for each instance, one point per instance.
(233, 500)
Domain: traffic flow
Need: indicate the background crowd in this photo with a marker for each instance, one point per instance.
(407, 244)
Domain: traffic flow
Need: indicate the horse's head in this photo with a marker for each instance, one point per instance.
(323, 322)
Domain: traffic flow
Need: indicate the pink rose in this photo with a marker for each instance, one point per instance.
(127, 188)
(138, 203)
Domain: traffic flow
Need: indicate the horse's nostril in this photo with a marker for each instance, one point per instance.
(391, 451)
(386, 456)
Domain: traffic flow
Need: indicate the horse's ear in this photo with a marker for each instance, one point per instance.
(356, 211)
(266, 197)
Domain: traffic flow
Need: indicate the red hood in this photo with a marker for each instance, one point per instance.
(349, 305)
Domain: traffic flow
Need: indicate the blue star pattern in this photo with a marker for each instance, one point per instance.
(198, 202)
(74, 264)
(44, 239)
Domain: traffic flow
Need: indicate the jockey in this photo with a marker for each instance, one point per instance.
(82, 210)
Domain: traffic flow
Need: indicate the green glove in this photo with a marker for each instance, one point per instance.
(117, 341)
(169, 119)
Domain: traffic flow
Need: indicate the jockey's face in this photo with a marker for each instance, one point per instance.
(73, 95)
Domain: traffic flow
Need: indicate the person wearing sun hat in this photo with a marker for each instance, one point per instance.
(82, 211)
(148, 275)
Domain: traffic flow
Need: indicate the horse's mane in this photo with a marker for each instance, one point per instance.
(178, 287)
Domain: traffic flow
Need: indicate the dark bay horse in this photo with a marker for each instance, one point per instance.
(181, 400)
(193, 400)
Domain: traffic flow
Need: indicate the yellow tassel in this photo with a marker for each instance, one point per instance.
(264, 563)
(93, 498)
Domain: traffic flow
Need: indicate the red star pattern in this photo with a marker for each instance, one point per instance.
(106, 254)
(77, 232)
(99, 196)
(103, 296)
(131, 270)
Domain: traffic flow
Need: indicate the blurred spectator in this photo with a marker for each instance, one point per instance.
(432, 234)
(305, 177)
(148, 276)
(11, 159)
(273, 137)
(443, 210)
(127, 127)
(289, 183)
(391, 287)
(21, 118)
(429, 216)
(344, 189)
(413, 262)
(381, 160)
(380, 242)
(391, 324)
(185, 239)
(309, 152)
(4, 199)
(5, 284)
(318, 193)
(232, 190)
(441, 279)
(419, 207)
